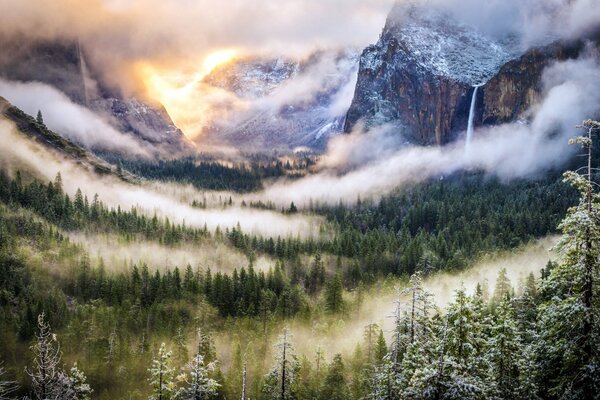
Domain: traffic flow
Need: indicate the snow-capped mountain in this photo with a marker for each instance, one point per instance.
(284, 103)
(420, 75)
(422, 57)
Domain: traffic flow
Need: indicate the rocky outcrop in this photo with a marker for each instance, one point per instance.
(517, 86)
(61, 64)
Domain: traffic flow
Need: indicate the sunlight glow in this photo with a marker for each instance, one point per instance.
(179, 91)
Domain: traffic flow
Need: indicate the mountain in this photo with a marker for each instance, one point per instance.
(62, 64)
(420, 76)
(282, 103)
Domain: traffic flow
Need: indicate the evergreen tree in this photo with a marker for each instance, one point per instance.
(40, 118)
(198, 384)
(568, 320)
(161, 376)
(503, 287)
(78, 383)
(279, 381)
(46, 373)
(505, 351)
(334, 301)
(335, 386)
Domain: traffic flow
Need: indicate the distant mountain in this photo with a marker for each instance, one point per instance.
(62, 64)
(283, 103)
(420, 76)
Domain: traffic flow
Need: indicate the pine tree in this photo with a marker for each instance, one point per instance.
(503, 286)
(568, 320)
(40, 118)
(335, 386)
(161, 376)
(505, 351)
(78, 384)
(279, 381)
(244, 376)
(381, 349)
(45, 375)
(334, 301)
(198, 384)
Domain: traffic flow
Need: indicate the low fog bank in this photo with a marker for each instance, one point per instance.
(27, 155)
(336, 336)
(117, 253)
(376, 162)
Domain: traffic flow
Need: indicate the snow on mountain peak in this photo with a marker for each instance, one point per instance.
(444, 46)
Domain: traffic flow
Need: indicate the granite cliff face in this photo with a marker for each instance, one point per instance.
(63, 66)
(509, 94)
(420, 76)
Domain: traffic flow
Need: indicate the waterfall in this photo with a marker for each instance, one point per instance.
(471, 118)
(84, 75)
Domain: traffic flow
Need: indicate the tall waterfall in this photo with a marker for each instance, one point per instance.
(471, 118)
(84, 75)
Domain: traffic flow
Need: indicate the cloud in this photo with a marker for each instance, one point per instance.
(69, 119)
(117, 253)
(535, 21)
(166, 32)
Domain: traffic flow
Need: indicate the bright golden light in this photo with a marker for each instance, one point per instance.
(179, 92)
(217, 58)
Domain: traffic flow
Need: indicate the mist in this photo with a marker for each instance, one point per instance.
(117, 254)
(72, 120)
(27, 155)
(378, 161)
(341, 335)
(534, 22)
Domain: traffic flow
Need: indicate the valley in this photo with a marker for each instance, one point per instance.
(386, 200)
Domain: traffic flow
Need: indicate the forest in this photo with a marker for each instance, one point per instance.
(74, 327)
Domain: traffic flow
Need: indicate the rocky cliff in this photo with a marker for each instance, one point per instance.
(63, 66)
(420, 76)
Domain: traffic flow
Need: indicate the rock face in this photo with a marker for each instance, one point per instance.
(62, 65)
(420, 77)
(517, 85)
(282, 103)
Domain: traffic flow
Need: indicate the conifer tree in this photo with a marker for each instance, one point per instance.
(161, 376)
(78, 384)
(335, 386)
(505, 351)
(279, 381)
(46, 373)
(334, 301)
(39, 118)
(198, 384)
(568, 320)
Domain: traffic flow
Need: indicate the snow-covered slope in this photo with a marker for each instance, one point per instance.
(439, 43)
(283, 103)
